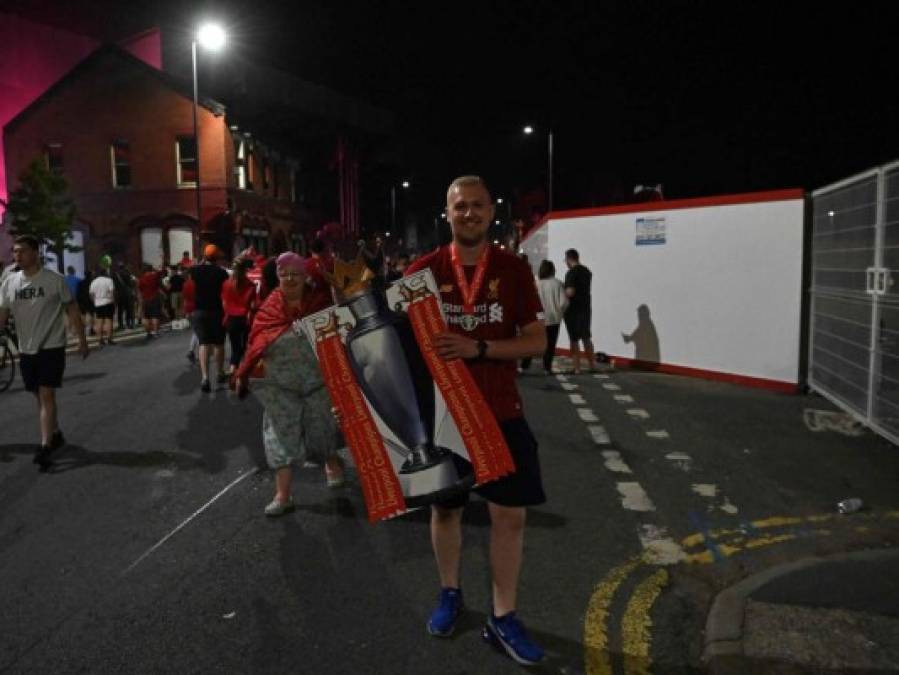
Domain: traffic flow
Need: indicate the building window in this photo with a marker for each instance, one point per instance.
(251, 168)
(53, 155)
(186, 156)
(240, 164)
(266, 175)
(120, 156)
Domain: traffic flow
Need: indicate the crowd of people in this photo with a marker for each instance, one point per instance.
(113, 299)
(255, 302)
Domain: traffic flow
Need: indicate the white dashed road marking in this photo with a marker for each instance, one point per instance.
(615, 463)
(624, 398)
(704, 489)
(567, 386)
(711, 491)
(658, 434)
(611, 386)
(587, 415)
(600, 376)
(577, 399)
(660, 548)
(638, 412)
(681, 460)
(599, 434)
(633, 497)
(561, 378)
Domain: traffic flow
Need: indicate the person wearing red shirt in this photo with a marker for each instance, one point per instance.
(149, 286)
(318, 265)
(238, 298)
(494, 317)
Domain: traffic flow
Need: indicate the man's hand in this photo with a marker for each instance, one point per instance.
(450, 345)
(83, 349)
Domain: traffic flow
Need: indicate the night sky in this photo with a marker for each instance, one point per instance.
(703, 97)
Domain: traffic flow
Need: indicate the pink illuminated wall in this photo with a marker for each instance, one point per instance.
(35, 56)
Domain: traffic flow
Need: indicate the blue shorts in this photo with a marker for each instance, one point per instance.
(43, 369)
(522, 488)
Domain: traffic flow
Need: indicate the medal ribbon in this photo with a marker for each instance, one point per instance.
(469, 294)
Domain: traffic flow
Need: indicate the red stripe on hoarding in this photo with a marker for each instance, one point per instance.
(673, 204)
(487, 449)
(380, 486)
(715, 375)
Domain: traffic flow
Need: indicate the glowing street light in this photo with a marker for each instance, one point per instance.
(211, 36)
(529, 129)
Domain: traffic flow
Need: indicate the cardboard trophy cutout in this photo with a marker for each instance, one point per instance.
(417, 426)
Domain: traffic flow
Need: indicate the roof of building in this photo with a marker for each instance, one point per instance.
(96, 58)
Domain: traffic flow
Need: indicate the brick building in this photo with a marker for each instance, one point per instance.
(121, 132)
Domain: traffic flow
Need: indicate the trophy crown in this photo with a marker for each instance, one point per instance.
(350, 278)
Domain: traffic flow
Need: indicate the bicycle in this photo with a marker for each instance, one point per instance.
(7, 363)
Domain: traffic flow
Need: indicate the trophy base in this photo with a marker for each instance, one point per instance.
(436, 483)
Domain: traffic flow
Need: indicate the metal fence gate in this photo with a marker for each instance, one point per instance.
(854, 328)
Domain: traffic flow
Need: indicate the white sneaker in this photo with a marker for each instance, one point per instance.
(277, 508)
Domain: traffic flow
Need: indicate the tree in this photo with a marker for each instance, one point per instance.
(41, 207)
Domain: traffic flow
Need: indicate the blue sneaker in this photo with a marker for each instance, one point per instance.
(443, 619)
(507, 634)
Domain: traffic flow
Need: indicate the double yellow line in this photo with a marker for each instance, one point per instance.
(636, 623)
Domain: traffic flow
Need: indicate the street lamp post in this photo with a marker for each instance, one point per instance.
(528, 130)
(405, 185)
(211, 37)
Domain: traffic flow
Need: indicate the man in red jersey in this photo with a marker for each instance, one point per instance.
(495, 318)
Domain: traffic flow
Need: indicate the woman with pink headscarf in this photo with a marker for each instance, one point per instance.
(297, 421)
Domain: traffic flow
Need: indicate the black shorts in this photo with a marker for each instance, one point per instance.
(105, 312)
(522, 488)
(153, 308)
(43, 369)
(577, 324)
(209, 327)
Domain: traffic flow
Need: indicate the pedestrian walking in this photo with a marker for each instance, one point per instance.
(37, 298)
(124, 284)
(554, 301)
(72, 281)
(85, 304)
(238, 299)
(297, 422)
(102, 292)
(175, 288)
(494, 319)
(209, 323)
(578, 315)
(149, 287)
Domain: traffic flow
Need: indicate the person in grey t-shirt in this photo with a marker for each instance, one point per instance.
(37, 298)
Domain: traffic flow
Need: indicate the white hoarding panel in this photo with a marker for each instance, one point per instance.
(713, 288)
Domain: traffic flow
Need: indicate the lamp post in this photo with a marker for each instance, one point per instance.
(405, 184)
(528, 130)
(212, 37)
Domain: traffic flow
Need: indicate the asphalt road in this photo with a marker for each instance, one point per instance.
(97, 577)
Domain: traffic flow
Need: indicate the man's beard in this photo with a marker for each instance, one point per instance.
(469, 238)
